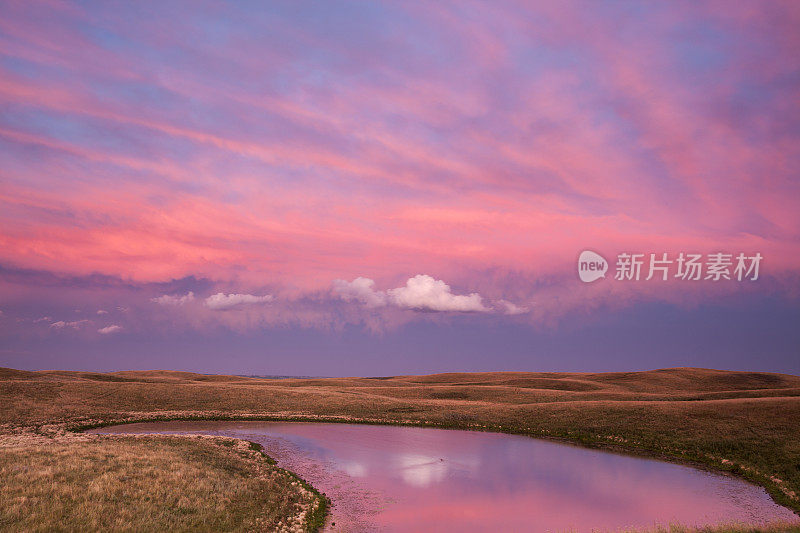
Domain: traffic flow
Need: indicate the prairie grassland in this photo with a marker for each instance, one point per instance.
(745, 423)
(779, 527)
(147, 484)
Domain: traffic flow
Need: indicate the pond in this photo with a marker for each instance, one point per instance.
(395, 478)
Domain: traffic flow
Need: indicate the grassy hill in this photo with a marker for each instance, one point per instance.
(746, 423)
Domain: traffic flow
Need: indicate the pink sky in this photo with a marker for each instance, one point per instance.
(272, 150)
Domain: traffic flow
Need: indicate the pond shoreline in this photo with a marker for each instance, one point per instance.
(709, 463)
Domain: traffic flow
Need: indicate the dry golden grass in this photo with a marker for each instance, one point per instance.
(146, 484)
(778, 527)
(747, 423)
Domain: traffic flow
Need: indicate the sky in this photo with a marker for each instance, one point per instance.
(382, 188)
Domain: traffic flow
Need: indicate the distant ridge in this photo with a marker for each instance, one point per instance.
(271, 376)
(661, 381)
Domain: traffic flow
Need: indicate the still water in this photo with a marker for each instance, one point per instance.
(391, 478)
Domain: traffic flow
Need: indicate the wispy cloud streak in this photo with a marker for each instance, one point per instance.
(485, 145)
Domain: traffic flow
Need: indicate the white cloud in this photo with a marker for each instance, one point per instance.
(43, 319)
(421, 292)
(102, 312)
(75, 324)
(360, 290)
(424, 292)
(109, 329)
(510, 308)
(221, 301)
(173, 299)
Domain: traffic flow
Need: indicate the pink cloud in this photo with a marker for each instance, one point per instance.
(491, 169)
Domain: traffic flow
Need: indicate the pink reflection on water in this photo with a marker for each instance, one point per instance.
(420, 479)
